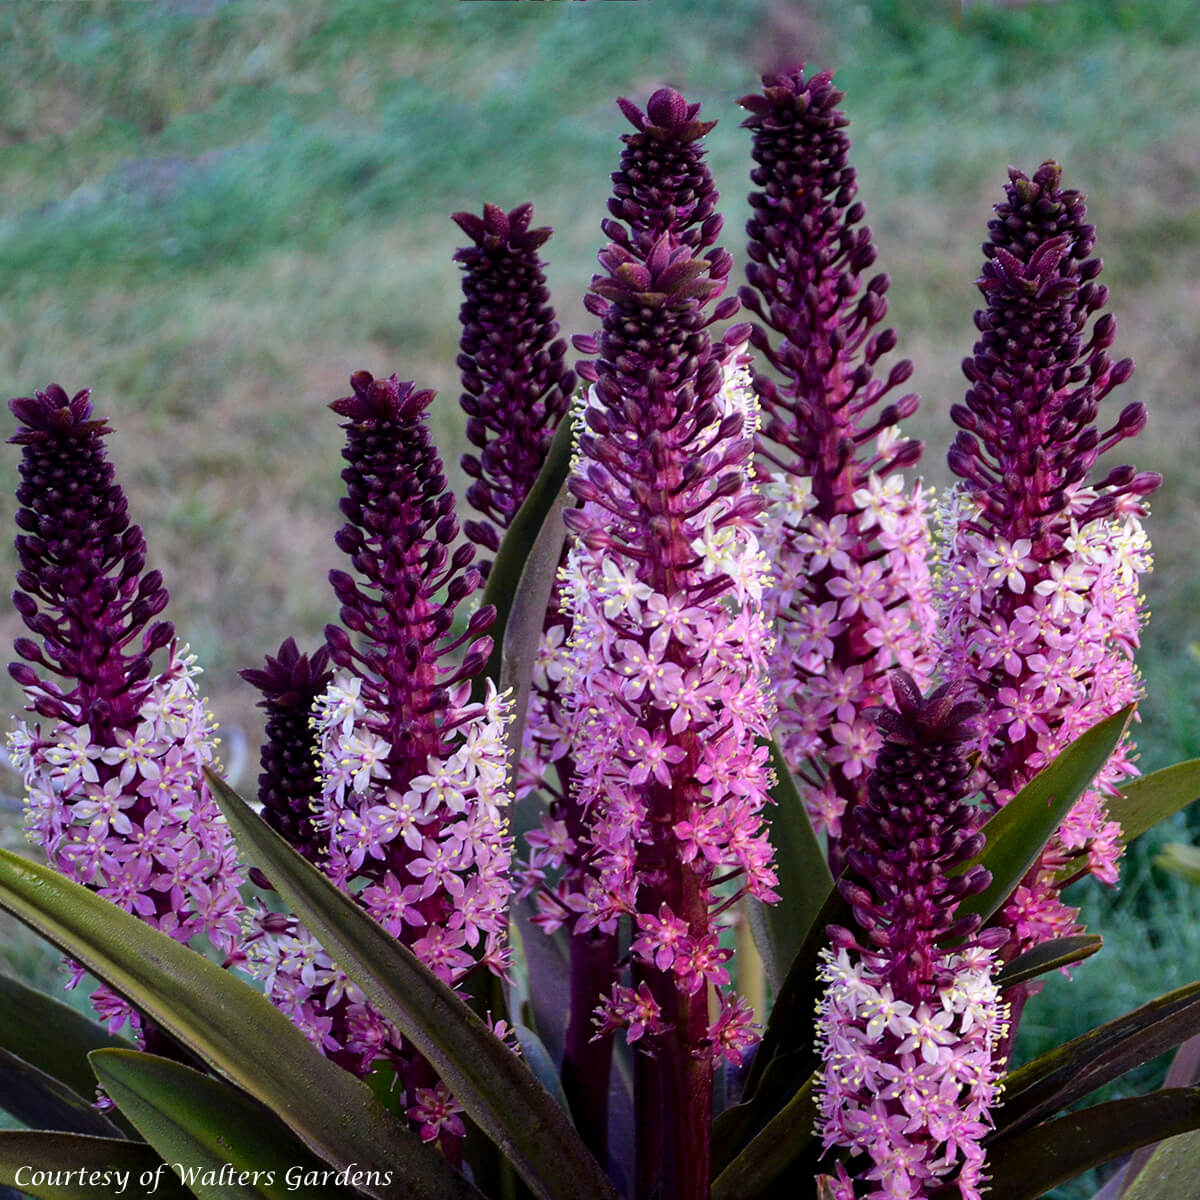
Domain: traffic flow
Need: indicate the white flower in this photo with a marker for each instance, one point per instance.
(136, 752)
(1064, 587)
(444, 784)
(620, 589)
(929, 1032)
(364, 754)
(72, 756)
(341, 705)
(1009, 562)
(791, 497)
(737, 395)
(881, 501)
(882, 1011)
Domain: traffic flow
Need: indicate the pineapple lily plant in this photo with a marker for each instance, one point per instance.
(716, 704)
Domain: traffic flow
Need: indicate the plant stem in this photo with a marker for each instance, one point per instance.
(648, 1121)
(587, 1064)
(674, 1095)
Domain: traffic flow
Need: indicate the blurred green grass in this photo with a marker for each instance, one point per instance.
(212, 212)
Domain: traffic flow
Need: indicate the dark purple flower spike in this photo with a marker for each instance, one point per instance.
(809, 255)
(81, 587)
(516, 385)
(400, 527)
(1037, 375)
(412, 773)
(290, 683)
(913, 832)
(663, 184)
(663, 716)
(852, 598)
(663, 198)
(911, 1022)
(1040, 600)
(115, 792)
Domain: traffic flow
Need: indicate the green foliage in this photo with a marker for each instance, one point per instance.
(1018, 831)
(25, 1015)
(1028, 1165)
(206, 1125)
(1079, 1067)
(290, 122)
(1150, 799)
(1181, 859)
(786, 1138)
(1048, 956)
(1151, 931)
(40, 1101)
(1171, 1171)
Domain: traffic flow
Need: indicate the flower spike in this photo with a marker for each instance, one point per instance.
(290, 683)
(909, 1031)
(413, 778)
(516, 385)
(1039, 594)
(847, 535)
(665, 671)
(116, 795)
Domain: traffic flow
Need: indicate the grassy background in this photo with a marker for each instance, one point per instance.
(213, 212)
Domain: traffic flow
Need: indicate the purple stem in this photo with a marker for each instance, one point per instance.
(587, 1061)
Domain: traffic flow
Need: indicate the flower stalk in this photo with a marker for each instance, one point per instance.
(908, 1030)
(116, 795)
(847, 535)
(516, 388)
(412, 773)
(1040, 606)
(516, 385)
(291, 683)
(666, 661)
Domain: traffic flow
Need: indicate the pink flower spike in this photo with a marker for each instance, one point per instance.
(665, 669)
(909, 1032)
(113, 771)
(844, 532)
(1039, 591)
(411, 783)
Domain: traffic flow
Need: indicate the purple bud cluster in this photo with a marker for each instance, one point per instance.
(291, 683)
(516, 385)
(1037, 376)
(914, 831)
(83, 589)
